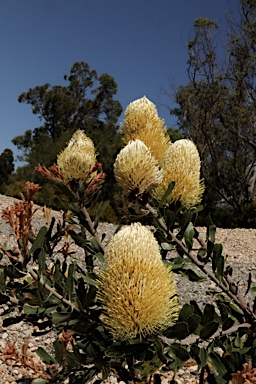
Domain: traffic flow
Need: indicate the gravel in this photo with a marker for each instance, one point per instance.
(238, 248)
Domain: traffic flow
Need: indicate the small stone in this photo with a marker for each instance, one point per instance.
(5, 335)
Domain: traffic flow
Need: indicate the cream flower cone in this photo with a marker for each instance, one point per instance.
(135, 168)
(136, 289)
(142, 122)
(78, 158)
(181, 164)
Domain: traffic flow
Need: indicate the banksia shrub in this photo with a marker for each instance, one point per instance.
(136, 170)
(181, 164)
(142, 122)
(78, 159)
(136, 290)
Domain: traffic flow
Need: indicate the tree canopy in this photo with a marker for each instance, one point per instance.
(86, 102)
(6, 166)
(216, 109)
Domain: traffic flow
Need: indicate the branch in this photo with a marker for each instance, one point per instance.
(236, 297)
(51, 290)
(193, 339)
(92, 229)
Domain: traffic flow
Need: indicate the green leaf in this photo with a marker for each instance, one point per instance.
(95, 245)
(201, 254)
(185, 221)
(61, 317)
(218, 260)
(192, 276)
(70, 281)
(41, 262)
(253, 291)
(199, 354)
(12, 271)
(234, 361)
(39, 240)
(189, 236)
(167, 193)
(65, 190)
(214, 359)
(167, 246)
(40, 381)
(177, 351)
(208, 330)
(2, 280)
(177, 331)
(45, 356)
(185, 312)
(193, 322)
(203, 356)
(208, 314)
(177, 262)
(158, 345)
(89, 280)
(118, 351)
(211, 231)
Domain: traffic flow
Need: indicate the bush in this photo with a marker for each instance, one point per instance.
(120, 311)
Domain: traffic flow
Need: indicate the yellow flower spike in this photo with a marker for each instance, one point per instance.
(136, 290)
(135, 168)
(142, 122)
(132, 239)
(181, 164)
(78, 158)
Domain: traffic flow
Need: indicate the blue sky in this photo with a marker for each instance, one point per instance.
(141, 43)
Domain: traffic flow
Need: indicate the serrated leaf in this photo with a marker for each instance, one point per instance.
(12, 271)
(95, 245)
(214, 359)
(167, 193)
(65, 190)
(208, 330)
(118, 351)
(59, 317)
(189, 236)
(40, 381)
(158, 345)
(211, 231)
(201, 254)
(177, 351)
(253, 291)
(177, 331)
(193, 322)
(234, 361)
(167, 246)
(208, 314)
(185, 312)
(70, 281)
(45, 356)
(192, 275)
(218, 261)
(39, 240)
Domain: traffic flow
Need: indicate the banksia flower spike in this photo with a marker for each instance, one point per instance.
(140, 238)
(78, 158)
(181, 164)
(142, 122)
(136, 170)
(137, 291)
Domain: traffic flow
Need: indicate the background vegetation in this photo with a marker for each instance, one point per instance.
(216, 109)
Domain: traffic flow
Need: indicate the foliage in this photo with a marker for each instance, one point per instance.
(216, 109)
(6, 167)
(86, 102)
(40, 277)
